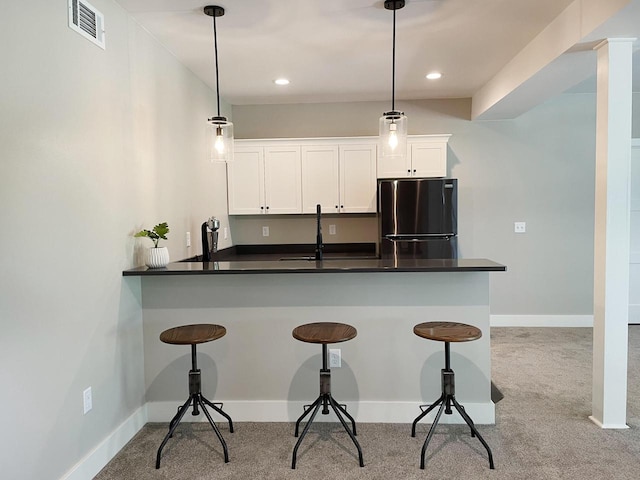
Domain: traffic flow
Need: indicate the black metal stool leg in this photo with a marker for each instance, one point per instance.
(472, 429)
(306, 412)
(220, 411)
(215, 429)
(172, 428)
(430, 434)
(173, 420)
(326, 400)
(424, 413)
(346, 414)
(305, 430)
(467, 419)
(336, 409)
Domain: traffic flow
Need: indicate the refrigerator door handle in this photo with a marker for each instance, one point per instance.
(416, 238)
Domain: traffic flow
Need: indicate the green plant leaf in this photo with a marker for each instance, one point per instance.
(161, 230)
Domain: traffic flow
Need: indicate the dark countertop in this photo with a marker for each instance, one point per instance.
(351, 264)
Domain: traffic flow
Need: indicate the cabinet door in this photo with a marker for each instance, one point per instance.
(320, 179)
(394, 167)
(358, 183)
(245, 181)
(282, 179)
(428, 159)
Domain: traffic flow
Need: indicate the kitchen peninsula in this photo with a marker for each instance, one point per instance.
(262, 374)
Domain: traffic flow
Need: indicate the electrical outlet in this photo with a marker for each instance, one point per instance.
(520, 227)
(335, 358)
(187, 239)
(225, 233)
(265, 231)
(332, 229)
(87, 401)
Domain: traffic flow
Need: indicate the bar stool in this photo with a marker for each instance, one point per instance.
(193, 335)
(447, 332)
(325, 333)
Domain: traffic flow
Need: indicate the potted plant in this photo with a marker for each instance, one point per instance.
(157, 257)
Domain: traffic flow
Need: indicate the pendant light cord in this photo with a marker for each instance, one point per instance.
(393, 67)
(215, 46)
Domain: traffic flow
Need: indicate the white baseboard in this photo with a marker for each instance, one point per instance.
(541, 320)
(94, 461)
(608, 425)
(285, 411)
(634, 313)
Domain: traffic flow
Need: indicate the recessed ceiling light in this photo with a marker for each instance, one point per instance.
(434, 75)
(281, 81)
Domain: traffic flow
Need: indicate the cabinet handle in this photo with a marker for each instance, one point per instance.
(336, 206)
(409, 171)
(267, 207)
(414, 170)
(341, 206)
(261, 208)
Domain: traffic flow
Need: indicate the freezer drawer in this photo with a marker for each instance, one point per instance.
(419, 248)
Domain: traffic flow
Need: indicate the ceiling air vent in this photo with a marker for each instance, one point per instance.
(87, 21)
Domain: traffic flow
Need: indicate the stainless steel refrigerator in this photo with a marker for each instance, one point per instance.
(417, 218)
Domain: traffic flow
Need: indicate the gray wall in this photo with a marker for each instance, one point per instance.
(538, 168)
(95, 144)
(258, 369)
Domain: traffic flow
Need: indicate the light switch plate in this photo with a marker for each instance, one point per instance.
(520, 227)
(87, 401)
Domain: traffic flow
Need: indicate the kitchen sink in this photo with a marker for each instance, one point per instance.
(329, 257)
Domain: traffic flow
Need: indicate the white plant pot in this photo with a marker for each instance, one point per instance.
(157, 257)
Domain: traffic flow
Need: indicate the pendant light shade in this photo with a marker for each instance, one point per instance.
(221, 135)
(393, 124)
(221, 130)
(393, 134)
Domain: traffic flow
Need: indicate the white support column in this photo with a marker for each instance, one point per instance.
(611, 242)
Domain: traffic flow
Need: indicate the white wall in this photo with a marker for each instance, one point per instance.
(95, 144)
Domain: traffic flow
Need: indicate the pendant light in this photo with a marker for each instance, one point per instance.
(393, 124)
(221, 128)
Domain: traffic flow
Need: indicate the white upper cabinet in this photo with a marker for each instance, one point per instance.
(245, 181)
(426, 157)
(358, 185)
(320, 177)
(341, 178)
(264, 180)
(283, 176)
(282, 167)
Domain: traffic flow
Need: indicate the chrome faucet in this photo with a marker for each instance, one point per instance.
(319, 245)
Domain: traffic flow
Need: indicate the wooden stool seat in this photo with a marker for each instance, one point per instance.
(447, 331)
(193, 334)
(324, 332)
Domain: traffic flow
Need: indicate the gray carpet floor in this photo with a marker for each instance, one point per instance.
(542, 430)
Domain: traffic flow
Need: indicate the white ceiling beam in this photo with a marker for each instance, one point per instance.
(541, 70)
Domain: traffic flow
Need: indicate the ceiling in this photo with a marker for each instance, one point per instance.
(340, 50)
